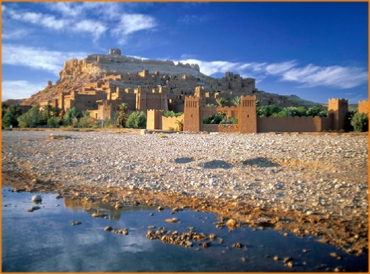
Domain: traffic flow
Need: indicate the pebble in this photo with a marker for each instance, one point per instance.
(108, 228)
(33, 208)
(36, 198)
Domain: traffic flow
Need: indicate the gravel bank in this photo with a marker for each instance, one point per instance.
(322, 174)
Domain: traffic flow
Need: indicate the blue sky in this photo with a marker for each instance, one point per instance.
(314, 50)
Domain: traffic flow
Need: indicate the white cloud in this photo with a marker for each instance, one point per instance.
(131, 23)
(213, 67)
(69, 9)
(194, 19)
(309, 76)
(277, 68)
(20, 89)
(14, 34)
(95, 28)
(335, 76)
(45, 20)
(37, 58)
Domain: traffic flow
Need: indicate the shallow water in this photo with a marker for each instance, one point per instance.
(45, 240)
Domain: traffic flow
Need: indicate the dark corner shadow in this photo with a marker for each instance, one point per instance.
(217, 164)
(260, 161)
(184, 160)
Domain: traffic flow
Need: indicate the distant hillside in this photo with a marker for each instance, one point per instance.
(11, 102)
(180, 80)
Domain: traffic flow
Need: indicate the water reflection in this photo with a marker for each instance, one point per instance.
(45, 240)
(99, 209)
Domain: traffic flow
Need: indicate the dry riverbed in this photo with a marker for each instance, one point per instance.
(306, 184)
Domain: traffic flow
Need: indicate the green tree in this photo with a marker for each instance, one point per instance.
(9, 120)
(55, 111)
(210, 105)
(301, 111)
(314, 111)
(121, 116)
(30, 118)
(48, 109)
(68, 118)
(236, 100)
(359, 122)
(171, 113)
(221, 101)
(87, 122)
(136, 119)
(54, 122)
(267, 111)
(215, 118)
(4, 109)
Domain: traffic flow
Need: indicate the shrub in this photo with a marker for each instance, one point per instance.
(68, 118)
(54, 121)
(30, 118)
(86, 122)
(359, 122)
(170, 113)
(9, 120)
(215, 119)
(136, 119)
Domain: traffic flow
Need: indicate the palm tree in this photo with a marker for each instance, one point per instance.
(221, 101)
(48, 109)
(121, 119)
(180, 124)
(236, 100)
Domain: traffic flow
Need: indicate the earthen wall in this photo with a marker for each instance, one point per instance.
(363, 106)
(290, 124)
(171, 122)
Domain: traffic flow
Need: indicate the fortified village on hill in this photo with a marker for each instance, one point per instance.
(139, 83)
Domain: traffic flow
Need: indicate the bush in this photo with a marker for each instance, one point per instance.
(30, 118)
(9, 120)
(215, 119)
(359, 122)
(136, 119)
(170, 113)
(86, 122)
(54, 121)
(70, 118)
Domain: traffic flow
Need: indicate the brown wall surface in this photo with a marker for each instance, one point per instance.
(192, 121)
(289, 124)
(363, 107)
(170, 122)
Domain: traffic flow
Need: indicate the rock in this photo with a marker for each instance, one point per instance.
(212, 236)
(108, 228)
(290, 264)
(287, 259)
(76, 223)
(231, 223)
(160, 208)
(58, 196)
(33, 208)
(36, 199)
(173, 220)
(238, 245)
(118, 206)
(206, 244)
(188, 244)
(276, 258)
